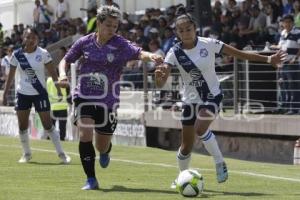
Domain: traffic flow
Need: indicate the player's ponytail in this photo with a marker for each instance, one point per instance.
(182, 14)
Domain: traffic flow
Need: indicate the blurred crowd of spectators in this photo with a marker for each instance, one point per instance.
(236, 22)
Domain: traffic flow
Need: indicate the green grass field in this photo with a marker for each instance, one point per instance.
(135, 173)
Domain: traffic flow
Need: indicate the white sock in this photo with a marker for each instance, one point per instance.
(24, 139)
(55, 138)
(183, 160)
(211, 145)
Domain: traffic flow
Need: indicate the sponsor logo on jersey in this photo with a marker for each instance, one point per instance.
(196, 76)
(96, 81)
(31, 75)
(187, 63)
(181, 58)
(86, 55)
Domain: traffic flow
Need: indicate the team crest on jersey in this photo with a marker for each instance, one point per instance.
(38, 58)
(110, 57)
(203, 52)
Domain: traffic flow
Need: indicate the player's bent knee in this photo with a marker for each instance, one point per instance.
(200, 131)
(102, 148)
(86, 137)
(49, 129)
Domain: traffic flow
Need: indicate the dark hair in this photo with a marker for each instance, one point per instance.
(182, 14)
(186, 17)
(31, 30)
(108, 11)
(289, 17)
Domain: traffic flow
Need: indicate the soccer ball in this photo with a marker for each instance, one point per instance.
(190, 183)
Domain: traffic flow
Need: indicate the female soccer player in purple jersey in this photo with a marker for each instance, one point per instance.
(96, 96)
(30, 61)
(195, 58)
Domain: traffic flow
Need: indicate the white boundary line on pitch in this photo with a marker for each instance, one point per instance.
(169, 166)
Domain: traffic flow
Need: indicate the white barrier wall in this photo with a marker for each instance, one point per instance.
(7, 17)
(130, 129)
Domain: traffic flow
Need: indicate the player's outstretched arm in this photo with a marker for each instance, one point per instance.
(147, 56)
(274, 59)
(161, 74)
(52, 72)
(62, 68)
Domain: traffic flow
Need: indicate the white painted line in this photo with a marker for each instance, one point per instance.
(171, 166)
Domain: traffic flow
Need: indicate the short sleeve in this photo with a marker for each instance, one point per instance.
(170, 58)
(5, 62)
(47, 57)
(132, 51)
(215, 45)
(298, 37)
(13, 61)
(74, 52)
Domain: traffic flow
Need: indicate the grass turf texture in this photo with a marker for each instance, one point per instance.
(134, 173)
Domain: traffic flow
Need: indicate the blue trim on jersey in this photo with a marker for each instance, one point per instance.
(188, 65)
(24, 64)
(221, 48)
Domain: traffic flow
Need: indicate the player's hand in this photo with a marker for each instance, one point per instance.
(278, 58)
(63, 82)
(158, 59)
(159, 73)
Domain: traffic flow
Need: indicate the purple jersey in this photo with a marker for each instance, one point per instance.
(101, 67)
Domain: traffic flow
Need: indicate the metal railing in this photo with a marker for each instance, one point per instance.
(247, 86)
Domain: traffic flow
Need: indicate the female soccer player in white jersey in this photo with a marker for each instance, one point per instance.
(195, 58)
(30, 61)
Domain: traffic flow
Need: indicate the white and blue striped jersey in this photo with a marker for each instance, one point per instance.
(37, 61)
(290, 42)
(197, 69)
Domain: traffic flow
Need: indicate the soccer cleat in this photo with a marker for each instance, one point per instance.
(104, 158)
(91, 184)
(65, 159)
(25, 158)
(174, 184)
(222, 172)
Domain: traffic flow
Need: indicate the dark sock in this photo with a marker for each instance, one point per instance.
(87, 157)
